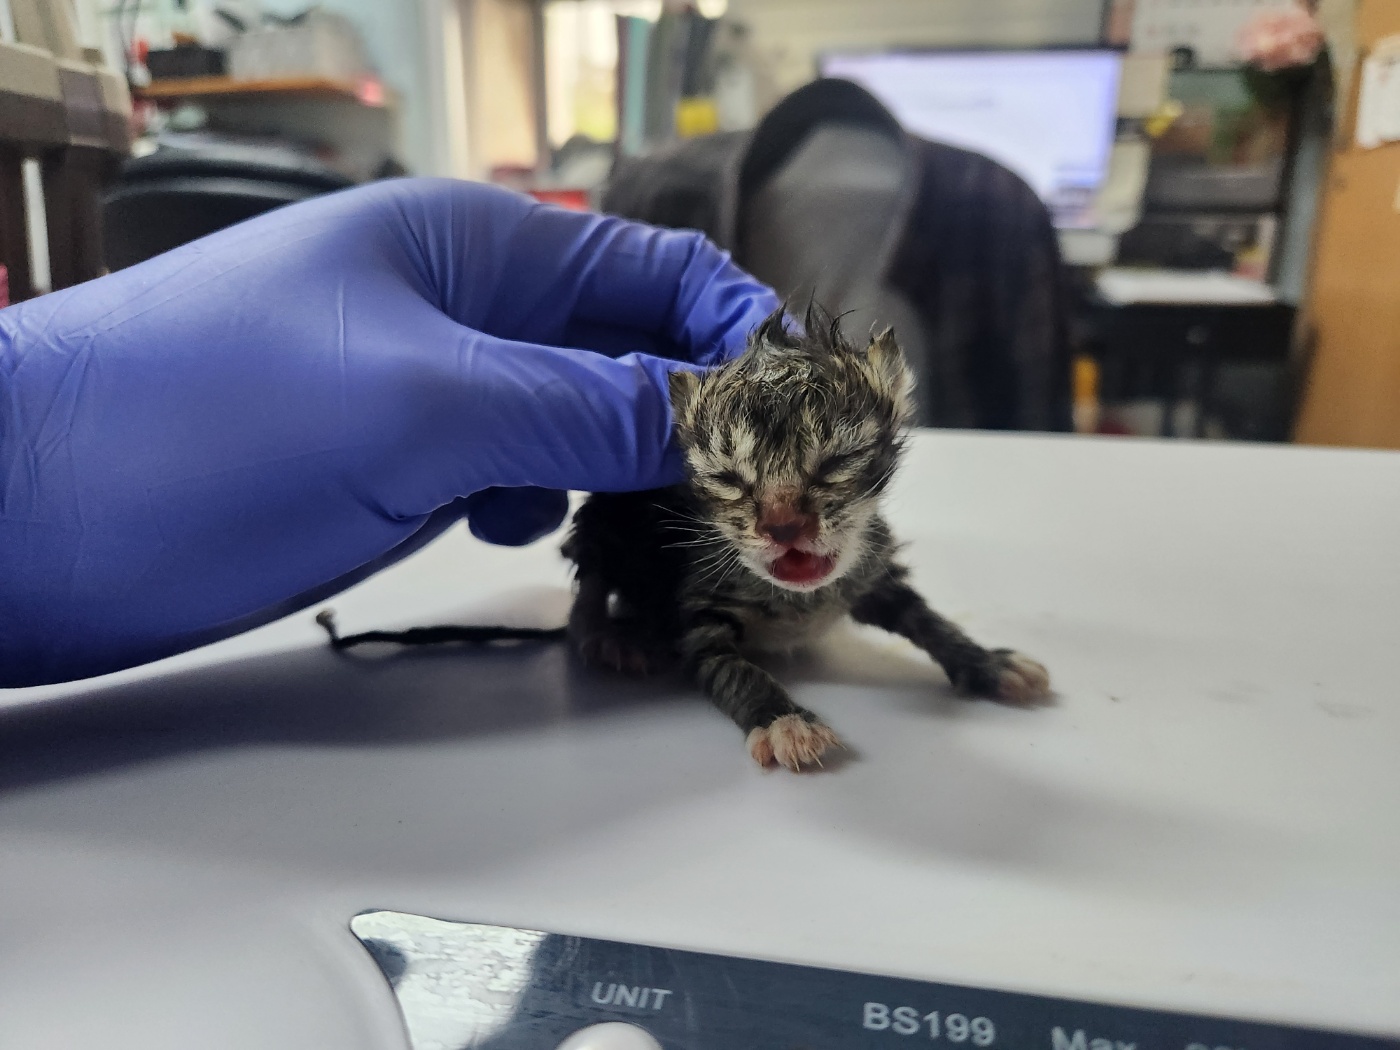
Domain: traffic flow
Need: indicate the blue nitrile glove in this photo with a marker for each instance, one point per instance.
(246, 425)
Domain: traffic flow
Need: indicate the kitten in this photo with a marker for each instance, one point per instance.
(776, 536)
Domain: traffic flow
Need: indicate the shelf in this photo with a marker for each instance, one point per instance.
(366, 93)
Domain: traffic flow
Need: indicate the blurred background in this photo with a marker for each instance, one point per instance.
(1172, 218)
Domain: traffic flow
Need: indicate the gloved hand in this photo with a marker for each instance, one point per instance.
(244, 426)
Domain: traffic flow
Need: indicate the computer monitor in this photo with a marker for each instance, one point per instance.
(1047, 115)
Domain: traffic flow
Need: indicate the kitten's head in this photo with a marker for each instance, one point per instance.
(790, 445)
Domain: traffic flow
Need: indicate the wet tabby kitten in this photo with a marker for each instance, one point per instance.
(777, 535)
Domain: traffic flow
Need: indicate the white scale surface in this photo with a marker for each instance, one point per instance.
(1207, 820)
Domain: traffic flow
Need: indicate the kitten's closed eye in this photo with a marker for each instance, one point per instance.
(726, 484)
(839, 467)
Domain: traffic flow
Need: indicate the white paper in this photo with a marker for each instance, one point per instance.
(1207, 27)
(1125, 286)
(1378, 107)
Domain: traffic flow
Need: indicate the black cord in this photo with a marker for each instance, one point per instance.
(439, 635)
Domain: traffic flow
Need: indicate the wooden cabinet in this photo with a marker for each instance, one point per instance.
(1352, 393)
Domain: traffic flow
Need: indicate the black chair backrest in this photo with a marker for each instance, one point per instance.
(172, 197)
(970, 272)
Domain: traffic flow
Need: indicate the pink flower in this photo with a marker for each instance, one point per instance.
(1280, 39)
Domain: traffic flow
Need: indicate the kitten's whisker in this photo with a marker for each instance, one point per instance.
(683, 515)
(701, 542)
(714, 557)
(719, 564)
(696, 527)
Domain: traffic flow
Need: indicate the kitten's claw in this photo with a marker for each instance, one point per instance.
(792, 741)
(1019, 679)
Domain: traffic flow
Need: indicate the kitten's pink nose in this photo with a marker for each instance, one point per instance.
(785, 525)
(786, 533)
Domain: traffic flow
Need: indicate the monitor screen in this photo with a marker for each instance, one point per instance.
(1049, 116)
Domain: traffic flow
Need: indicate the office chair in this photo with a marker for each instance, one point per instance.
(829, 197)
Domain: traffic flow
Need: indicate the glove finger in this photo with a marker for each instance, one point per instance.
(674, 287)
(515, 517)
(497, 262)
(566, 278)
(471, 412)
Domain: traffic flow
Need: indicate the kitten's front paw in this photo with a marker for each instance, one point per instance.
(1017, 679)
(792, 741)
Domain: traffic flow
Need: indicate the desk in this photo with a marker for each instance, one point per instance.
(1177, 330)
(1205, 820)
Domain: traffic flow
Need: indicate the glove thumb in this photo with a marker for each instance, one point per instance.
(491, 413)
(515, 517)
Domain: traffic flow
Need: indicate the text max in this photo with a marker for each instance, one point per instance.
(1079, 1041)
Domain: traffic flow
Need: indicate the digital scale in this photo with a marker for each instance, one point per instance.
(465, 986)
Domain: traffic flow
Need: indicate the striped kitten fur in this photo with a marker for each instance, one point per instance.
(776, 536)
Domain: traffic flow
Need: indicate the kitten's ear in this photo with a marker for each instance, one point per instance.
(892, 374)
(683, 386)
(773, 330)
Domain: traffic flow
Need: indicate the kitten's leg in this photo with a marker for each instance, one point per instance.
(1002, 674)
(778, 730)
(602, 641)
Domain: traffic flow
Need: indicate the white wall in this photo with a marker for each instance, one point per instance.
(395, 37)
(405, 39)
(790, 33)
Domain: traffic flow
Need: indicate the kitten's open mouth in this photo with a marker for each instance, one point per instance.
(802, 567)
